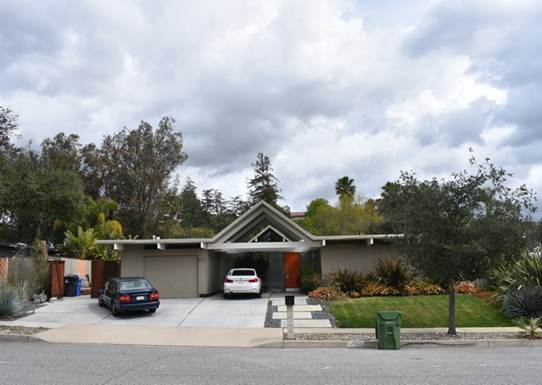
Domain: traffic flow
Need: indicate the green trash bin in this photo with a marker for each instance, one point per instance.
(388, 329)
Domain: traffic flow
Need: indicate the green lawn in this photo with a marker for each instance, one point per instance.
(418, 311)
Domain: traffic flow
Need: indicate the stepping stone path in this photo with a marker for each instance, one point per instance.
(303, 317)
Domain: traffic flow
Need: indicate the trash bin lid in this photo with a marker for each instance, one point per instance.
(389, 315)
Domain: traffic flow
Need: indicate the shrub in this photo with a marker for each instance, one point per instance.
(466, 288)
(525, 272)
(327, 293)
(346, 280)
(11, 303)
(393, 273)
(530, 327)
(525, 302)
(309, 280)
(374, 289)
(423, 288)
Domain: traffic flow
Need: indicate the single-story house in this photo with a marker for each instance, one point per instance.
(263, 238)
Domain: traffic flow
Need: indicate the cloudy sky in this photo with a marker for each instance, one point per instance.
(325, 88)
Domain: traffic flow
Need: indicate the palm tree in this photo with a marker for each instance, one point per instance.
(345, 187)
(81, 244)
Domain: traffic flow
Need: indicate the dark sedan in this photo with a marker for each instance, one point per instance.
(122, 295)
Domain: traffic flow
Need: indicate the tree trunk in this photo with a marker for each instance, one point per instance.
(451, 308)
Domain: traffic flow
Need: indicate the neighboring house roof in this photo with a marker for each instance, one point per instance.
(262, 214)
(297, 214)
(12, 249)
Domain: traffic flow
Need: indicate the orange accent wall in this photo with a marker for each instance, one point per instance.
(292, 270)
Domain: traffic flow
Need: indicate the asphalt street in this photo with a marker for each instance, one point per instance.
(56, 364)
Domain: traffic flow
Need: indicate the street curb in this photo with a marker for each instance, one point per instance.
(300, 344)
(372, 344)
(19, 338)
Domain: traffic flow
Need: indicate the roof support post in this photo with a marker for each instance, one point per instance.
(118, 246)
(161, 246)
(370, 241)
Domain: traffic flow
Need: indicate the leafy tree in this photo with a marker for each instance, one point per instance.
(348, 217)
(93, 170)
(458, 229)
(345, 188)
(136, 170)
(8, 124)
(61, 152)
(263, 186)
(35, 200)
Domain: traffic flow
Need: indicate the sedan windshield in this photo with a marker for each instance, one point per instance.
(134, 284)
(243, 272)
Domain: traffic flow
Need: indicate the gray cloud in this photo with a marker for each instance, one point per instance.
(325, 87)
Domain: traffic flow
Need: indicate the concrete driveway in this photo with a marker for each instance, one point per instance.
(188, 312)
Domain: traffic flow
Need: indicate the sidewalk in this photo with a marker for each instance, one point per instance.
(163, 336)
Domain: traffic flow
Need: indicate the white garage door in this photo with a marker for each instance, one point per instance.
(173, 276)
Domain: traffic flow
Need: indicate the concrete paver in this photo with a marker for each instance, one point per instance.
(296, 314)
(301, 308)
(308, 323)
(297, 301)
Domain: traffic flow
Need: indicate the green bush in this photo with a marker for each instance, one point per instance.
(309, 279)
(11, 303)
(525, 302)
(346, 280)
(530, 327)
(394, 273)
(525, 272)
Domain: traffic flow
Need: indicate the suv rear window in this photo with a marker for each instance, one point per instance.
(243, 272)
(134, 284)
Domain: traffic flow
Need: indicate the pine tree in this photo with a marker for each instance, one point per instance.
(263, 186)
(191, 212)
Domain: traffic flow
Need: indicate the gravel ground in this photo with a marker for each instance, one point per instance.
(325, 313)
(269, 321)
(408, 337)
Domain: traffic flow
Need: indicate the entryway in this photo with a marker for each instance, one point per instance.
(292, 270)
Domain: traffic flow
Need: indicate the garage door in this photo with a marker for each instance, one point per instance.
(173, 276)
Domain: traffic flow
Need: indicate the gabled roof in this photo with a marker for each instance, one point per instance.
(264, 208)
(262, 213)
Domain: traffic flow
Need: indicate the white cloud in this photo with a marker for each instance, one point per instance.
(326, 88)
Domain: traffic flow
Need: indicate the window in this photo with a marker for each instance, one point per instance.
(134, 284)
(243, 272)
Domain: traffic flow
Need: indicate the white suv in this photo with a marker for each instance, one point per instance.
(242, 281)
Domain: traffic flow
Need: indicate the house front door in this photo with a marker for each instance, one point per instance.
(292, 270)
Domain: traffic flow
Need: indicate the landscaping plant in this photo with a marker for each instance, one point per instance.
(327, 293)
(393, 273)
(530, 327)
(525, 302)
(309, 279)
(346, 280)
(11, 303)
(525, 272)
